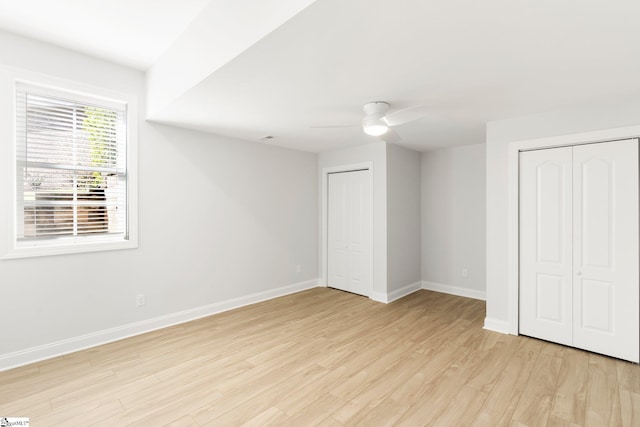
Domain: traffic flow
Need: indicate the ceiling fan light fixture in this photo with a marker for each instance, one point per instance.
(373, 123)
(374, 126)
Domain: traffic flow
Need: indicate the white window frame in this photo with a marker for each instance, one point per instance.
(9, 79)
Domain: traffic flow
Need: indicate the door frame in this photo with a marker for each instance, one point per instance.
(324, 220)
(513, 279)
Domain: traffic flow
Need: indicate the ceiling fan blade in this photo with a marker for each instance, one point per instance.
(333, 126)
(407, 115)
(391, 136)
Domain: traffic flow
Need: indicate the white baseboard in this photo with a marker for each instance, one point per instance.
(59, 348)
(397, 294)
(379, 296)
(404, 291)
(454, 290)
(496, 325)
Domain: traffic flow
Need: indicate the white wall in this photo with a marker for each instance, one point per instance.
(499, 135)
(403, 220)
(453, 220)
(377, 154)
(220, 220)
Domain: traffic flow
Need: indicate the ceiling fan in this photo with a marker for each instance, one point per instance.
(378, 121)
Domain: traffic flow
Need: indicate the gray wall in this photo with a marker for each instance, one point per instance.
(403, 218)
(453, 219)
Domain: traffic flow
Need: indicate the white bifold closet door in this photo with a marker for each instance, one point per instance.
(579, 247)
(350, 231)
(546, 264)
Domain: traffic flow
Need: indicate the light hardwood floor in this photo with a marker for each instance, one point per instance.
(325, 357)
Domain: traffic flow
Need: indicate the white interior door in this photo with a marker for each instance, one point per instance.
(605, 232)
(350, 232)
(545, 245)
(338, 230)
(579, 247)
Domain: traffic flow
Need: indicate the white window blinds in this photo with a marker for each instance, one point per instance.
(71, 167)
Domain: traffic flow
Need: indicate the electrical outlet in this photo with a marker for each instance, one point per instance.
(465, 272)
(140, 300)
(298, 268)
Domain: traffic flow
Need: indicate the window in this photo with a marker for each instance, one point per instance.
(72, 175)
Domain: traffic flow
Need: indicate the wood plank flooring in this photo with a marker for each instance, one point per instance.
(328, 358)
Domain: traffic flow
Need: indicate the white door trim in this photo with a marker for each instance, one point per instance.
(324, 226)
(513, 198)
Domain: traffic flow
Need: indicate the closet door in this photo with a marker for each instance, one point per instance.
(350, 231)
(605, 236)
(338, 231)
(545, 245)
(579, 247)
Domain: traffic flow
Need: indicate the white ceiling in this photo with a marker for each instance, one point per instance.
(465, 62)
(130, 32)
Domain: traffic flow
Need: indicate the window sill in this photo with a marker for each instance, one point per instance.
(75, 248)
